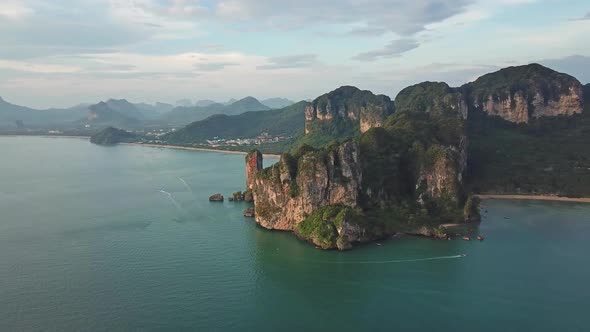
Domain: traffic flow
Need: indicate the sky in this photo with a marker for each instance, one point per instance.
(61, 53)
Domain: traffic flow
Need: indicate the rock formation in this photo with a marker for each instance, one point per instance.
(216, 198)
(286, 193)
(347, 107)
(321, 195)
(520, 94)
(253, 166)
(249, 213)
(399, 172)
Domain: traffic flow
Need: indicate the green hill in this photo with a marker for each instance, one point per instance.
(342, 114)
(288, 121)
(110, 136)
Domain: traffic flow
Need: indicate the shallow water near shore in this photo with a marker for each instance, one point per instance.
(123, 238)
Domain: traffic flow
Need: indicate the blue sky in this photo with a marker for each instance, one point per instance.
(60, 53)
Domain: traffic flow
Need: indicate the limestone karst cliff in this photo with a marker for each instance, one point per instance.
(357, 191)
(344, 113)
(519, 94)
(299, 184)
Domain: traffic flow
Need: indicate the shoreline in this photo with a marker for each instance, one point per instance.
(536, 198)
(176, 147)
(188, 148)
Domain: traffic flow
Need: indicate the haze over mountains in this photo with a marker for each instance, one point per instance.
(122, 113)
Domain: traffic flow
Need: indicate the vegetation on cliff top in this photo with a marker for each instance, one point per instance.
(435, 97)
(110, 136)
(351, 99)
(346, 106)
(529, 79)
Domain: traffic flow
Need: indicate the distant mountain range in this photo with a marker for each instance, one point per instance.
(11, 113)
(185, 115)
(276, 103)
(272, 103)
(122, 113)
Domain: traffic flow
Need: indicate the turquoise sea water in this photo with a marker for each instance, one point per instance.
(123, 238)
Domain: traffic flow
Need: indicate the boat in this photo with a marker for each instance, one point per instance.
(466, 238)
(480, 237)
(463, 255)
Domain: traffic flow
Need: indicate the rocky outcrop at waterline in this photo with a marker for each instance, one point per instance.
(249, 213)
(216, 198)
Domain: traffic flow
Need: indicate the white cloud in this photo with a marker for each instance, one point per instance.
(394, 49)
(45, 68)
(14, 10)
(290, 61)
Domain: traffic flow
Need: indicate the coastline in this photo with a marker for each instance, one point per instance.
(536, 198)
(178, 147)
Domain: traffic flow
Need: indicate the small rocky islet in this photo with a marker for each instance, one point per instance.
(216, 198)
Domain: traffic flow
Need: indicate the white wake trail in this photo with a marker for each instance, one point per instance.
(186, 184)
(169, 195)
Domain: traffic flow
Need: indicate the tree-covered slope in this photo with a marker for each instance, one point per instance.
(288, 121)
(547, 156)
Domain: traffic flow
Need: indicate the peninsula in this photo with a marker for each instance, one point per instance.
(405, 166)
(360, 167)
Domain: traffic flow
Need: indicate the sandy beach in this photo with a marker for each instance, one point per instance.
(537, 198)
(177, 147)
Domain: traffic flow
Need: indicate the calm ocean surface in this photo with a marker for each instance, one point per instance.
(123, 238)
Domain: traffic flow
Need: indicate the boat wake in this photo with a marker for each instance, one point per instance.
(186, 184)
(172, 200)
